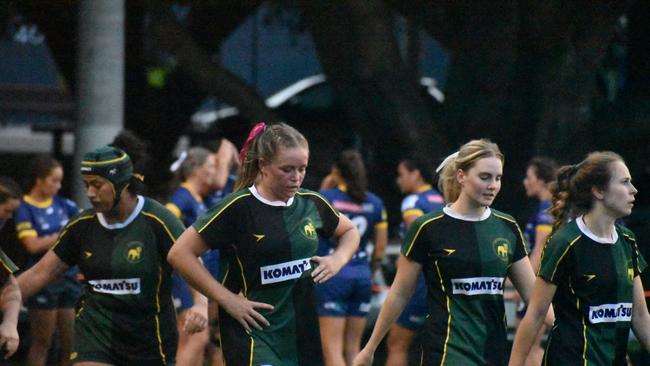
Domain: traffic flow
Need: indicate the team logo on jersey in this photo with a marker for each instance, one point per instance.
(87, 254)
(610, 313)
(258, 237)
(308, 229)
(284, 271)
(501, 248)
(112, 171)
(589, 277)
(134, 252)
(449, 251)
(477, 286)
(122, 286)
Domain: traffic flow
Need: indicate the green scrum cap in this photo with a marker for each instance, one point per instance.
(110, 163)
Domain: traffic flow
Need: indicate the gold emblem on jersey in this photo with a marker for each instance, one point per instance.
(308, 229)
(630, 274)
(74, 355)
(589, 277)
(449, 251)
(134, 252)
(87, 254)
(501, 248)
(258, 237)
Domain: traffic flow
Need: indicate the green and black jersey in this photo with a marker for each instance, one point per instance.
(465, 264)
(126, 313)
(7, 268)
(265, 255)
(593, 300)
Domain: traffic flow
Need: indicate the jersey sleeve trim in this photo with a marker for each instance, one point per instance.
(544, 227)
(412, 212)
(562, 256)
(27, 234)
(222, 209)
(381, 225)
(408, 251)
(7, 263)
(68, 226)
(25, 225)
(322, 198)
(161, 222)
(174, 209)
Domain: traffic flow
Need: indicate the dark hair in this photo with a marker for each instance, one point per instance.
(9, 189)
(39, 167)
(265, 147)
(545, 168)
(571, 190)
(350, 165)
(412, 164)
(136, 149)
(467, 156)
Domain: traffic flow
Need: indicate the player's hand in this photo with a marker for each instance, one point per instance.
(364, 358)
(196, 319)
(9, 339)
(243, 310)
(328, 267)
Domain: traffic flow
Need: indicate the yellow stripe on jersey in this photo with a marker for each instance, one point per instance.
(23, 225)
(220, 211)
(322, 198)
(521, 235)
(544, 227)
(6, 266)
(252, 348)
(27, 234)
(412, 212)
(243, 277)
(563, 254)
(584, 339)
(381, 225)
(174, 209)
(442, 286)
(161, 222)
(157, 317)
(67, 228)
(418, 232)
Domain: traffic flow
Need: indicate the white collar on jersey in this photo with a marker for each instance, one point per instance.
(585, 230)
(257, 195)
(125, 223)
(448, 210)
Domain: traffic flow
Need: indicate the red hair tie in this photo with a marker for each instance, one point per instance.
(256, 131)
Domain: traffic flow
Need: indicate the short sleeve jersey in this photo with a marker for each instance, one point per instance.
(186, 206)
(465, 264)
(593, 299)
(126, 301)
(541, 220)
(366, 216)
(36, 219)
(265, 253)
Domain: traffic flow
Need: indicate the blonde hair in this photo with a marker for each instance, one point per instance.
(467, 156)
(265, 147)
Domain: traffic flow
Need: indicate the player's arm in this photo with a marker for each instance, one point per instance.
(226, 157)
(640, 316)
(541, 234)
(37, 244)
(184, 257)
(44, 272)
(400, 293)
(10, 303)
(347, 237)
(538, 309)
(380, 239)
